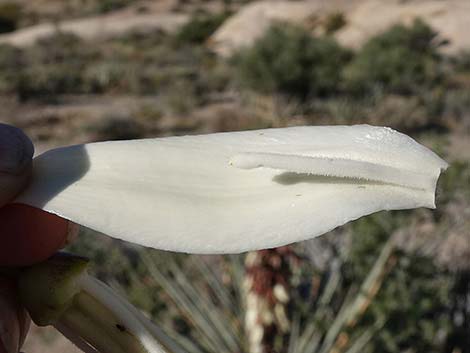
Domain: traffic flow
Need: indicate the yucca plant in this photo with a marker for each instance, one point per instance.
(228, 307)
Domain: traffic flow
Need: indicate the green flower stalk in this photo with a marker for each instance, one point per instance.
(60, 292)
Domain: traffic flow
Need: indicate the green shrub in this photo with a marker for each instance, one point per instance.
(334, 22)
(200, 27)
(456, 111)
(402, 60)
(462, 61)
(140, 65)
(104, 6)
(287, 59)
(117, 127)
(44, 82)
(10, 14)
(10, 65)
(455, 182)
(54, 66)
(413, 298)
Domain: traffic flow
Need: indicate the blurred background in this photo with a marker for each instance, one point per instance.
(76, 71)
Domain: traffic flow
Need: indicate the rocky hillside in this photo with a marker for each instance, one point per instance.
(353, 22)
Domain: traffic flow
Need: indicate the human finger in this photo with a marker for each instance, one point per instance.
(16, 153)
(29, 235)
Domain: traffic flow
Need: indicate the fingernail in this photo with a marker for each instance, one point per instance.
(16, 149)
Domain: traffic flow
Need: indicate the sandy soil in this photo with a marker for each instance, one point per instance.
(156, 16)
(47, 340)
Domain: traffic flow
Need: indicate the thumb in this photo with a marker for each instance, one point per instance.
(16, 153)
(27, 235)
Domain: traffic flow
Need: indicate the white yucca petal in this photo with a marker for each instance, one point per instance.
(238, 191)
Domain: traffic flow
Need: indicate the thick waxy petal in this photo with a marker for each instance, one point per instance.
(232, 192)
